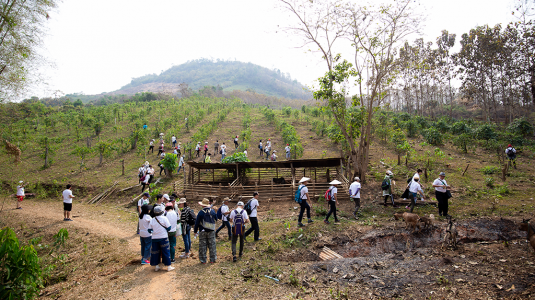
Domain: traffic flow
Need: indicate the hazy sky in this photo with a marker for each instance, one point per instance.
(100, 45)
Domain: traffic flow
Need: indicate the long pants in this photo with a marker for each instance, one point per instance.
(174, 144)
(227, 224)
(267, 155)
(159, 152)
(178, 171)
(332, 204)
(304, 206)
(179, 153)
(216, 151)
(413, 201)
(172, 243)
(234, 241)
(236, 145)
(288, 155)
(187, 239)
(150, 148)
(160, 246)
(357, 206)
(261, 151)
(146, 244)
(254, 226)
(205, 151)
(198, 153)
(391, 197)
(207, 242)
(222, 156)
(442, 203)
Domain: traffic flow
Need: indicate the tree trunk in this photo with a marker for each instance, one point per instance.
(100, 159)
(46, 157)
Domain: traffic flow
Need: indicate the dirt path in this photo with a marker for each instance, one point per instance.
(96, 220)
(262, 129)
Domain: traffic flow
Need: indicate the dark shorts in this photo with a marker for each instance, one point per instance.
(67, 206)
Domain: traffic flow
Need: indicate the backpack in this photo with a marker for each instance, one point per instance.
(273, 157)
(208, 221)
(219, 213)
(297, 197)
(328, 196)
(190, 218)
(248, 207)
(239, 224)
(140, 175)
(385, 184)
(510, 152)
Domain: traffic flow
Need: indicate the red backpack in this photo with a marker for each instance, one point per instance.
(328, 195)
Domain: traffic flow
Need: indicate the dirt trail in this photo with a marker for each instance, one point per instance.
(148, 284)
(262, 129)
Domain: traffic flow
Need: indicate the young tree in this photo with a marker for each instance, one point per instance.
(82, 152)
(105, 149)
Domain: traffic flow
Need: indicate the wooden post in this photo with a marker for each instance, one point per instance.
(219, 194)
(258, 175)
(213, 176)
(272, 188)
(122, 161)
(293, 175)
(198, 175)
(328, 175)
(237, 171)
(277, 172)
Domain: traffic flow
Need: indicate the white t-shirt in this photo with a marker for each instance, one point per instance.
(223, 147)
(415, 187)
(236, 139)
(440, 182)
(353, 190)
(181, 162)
(224, 209)
(334, 190)
(173, 219)
(245, 152)
(510, 149)
(304, 191)
(254, 207)
(233, 213)
(197, 147)
(142, 201)
(288, 149)
(178, 147)
(159, 232)
(260, 144)
(20, 190)
(268, 144)
(223, 150)
(144, 225)
(173, 139)
(175, 151)
(66, 196)
(151, 143)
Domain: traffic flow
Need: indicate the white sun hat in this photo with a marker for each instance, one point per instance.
(304, 179)
(335, 182)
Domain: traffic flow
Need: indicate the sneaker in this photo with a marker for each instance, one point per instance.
(212, 262)
(157, 268)
(145, 262)
(169, 268)
(326, 222)
(310, 221)
(64, 219)
(300, 224)
(407, 207)
(70, 220)
(234, 259)
(173, 261)
(258, 239)
(184, 255)
(19, 207)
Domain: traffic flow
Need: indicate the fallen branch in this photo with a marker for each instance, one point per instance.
(130, 187)
(465, 169)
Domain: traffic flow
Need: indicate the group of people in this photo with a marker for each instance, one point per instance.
(159, 225)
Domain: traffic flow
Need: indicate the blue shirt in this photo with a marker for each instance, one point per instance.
(200, 217)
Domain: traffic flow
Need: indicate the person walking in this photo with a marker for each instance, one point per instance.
(67, 203)
(205, 148)
(268, 143)
(386, 186)
(141, 171)
(223, 152)
(261, 148)
(216, 147)
(171, 234)
(236, 145)
(288, 151)
(304, 198)
(511, 154)
(151, 146)
(274, 156)
(198, 149)
(267, 150)
(145, 237)
(178, 147)
(159, 226)
(332, 199)
(20, 194)
(442, 194)
(223, 147)
(239, 218)
(205, 230)
(149, 173)
(245, 152)
(143, 201)
(160, 150)
(173, 141)
(224, 217)
(181, 164)
(253, 217)
(187, 219)
(414, 189)
(354, 194)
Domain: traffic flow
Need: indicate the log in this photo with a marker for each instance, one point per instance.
(328, 254)
(130, 187)
(465, 169)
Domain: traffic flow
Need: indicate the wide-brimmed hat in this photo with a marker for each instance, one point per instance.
(206, 142)
(335, 182)
(304, 179)
(205, 202)
(181, 201)
(158, 210)
(240, 203)
(146, 163)
(357, 179)
(226, 199)
(416, 177)
(442, 174)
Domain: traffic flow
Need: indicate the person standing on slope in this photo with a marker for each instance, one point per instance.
(304, 201)
(159, 226)
(236, 145)
(261, 148)
(386, 186)
(216, 148)
(288, 151)
(67, 203)
(20, 194)
(511, 154)
(239, 218)
(332, 199)
(354, 194)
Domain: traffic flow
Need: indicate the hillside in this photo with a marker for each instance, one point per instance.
(230, 75)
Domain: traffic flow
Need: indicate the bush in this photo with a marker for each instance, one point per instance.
(486, 132)
(412, 128)
(489, 182)
(460, 128)
(442, 126)
(236, 157)
(433, 136)
(463, 141)
(488, 170)
(20, 272)
(520, 127)
(170, 162)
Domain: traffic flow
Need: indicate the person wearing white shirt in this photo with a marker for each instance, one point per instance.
(354, 194)
(171, 235)
(245, 152)
(268, 143)
(261, 148)
(181, 164)
(236, 144)
(148, 178)
(441, 192)
(415, 188)
(303, 198)
(333, 195)
(237, 231)
(254, 219)
(67, 203)
(175, 151)
(178, 147)
(159, 226)
(223, 151)
(144, 236)
(224, 217)
(511, 154)
(20, 194)
(143, 201)
(151, 146)
(173, 140)
(288, 151)
(198, 149)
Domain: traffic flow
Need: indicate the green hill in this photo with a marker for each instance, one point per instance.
(230, 75)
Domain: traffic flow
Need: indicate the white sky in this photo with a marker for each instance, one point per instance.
(100, 45)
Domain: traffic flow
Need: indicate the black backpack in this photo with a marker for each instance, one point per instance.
(385, 184)
(248, 207)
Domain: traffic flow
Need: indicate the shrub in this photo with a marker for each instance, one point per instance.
(486, 132)
(412, 128)
(442, 126)
(433, 136)
(20, 272)
(463, 141)
(460, 128)
(169, 162)
(520, 127)
(287, 110)
(236, 157)
(489, 182)
(488, 170)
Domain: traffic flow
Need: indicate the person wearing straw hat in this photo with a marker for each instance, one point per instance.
(303, 198)
(239, 218)
(414, 189)
(288, 151)
(159, 226)
(224, 217)
(354, 194)
(205, 230)
(187, 219)
(20, 194)
(331, 201)
(441, 192)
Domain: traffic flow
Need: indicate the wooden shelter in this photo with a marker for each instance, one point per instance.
(274, 180)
